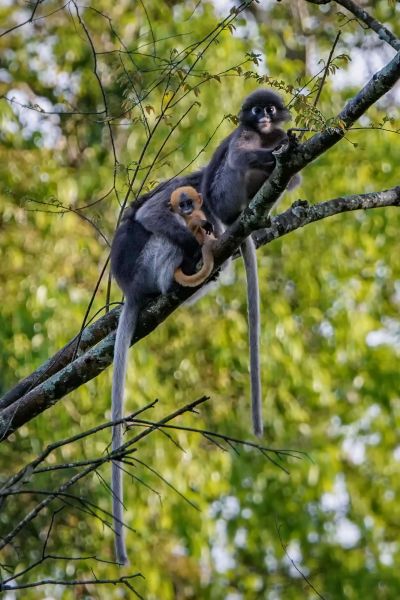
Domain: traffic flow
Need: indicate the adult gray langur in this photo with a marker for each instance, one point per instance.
(237, 170)
(149, 245)
(153, 241)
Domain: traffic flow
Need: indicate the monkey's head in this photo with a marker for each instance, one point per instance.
(263, 111)
(184, 200)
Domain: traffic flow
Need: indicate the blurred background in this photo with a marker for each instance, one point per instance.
(173, 75)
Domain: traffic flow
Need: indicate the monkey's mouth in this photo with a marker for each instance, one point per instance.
(264, 125)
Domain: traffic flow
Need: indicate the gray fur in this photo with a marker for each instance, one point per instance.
(237, 170)
(156, 217)
(126, 327)
(253, 311)
(149, 272)
(235, 175)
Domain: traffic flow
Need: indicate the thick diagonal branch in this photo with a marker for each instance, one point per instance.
(255, 216)
(362, 15)
(95, 360)
(289, 161)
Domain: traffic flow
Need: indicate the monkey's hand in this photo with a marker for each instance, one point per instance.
(260, 159)
(216, 274)
(208, 227)
(191, 257)
(294, 140)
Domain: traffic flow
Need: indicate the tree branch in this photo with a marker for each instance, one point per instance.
(301, 213)
(91, 467)
(290, 159)
(383, 32)
(90, 336)
(96, 359)
(66, 582)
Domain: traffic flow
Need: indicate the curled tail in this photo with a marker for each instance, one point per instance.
(205, 271)
(253, 307)
(125, 330)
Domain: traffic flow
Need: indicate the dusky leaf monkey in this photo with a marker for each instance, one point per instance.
(186, 202)
(153, 241)
(237, 170)
(149, 245)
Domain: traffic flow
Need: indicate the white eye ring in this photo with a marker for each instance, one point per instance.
(257, 110)
(270, 110)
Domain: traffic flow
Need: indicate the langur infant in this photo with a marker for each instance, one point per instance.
(186, 202)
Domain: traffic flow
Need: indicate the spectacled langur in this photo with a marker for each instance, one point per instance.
(237, 170)
(153, 241)
(186, 202)
(149, 245)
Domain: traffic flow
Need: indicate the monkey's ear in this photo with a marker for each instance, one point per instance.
(174, 199)
(200, 196)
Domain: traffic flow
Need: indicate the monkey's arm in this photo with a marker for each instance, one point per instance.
(248, 153)
(155, 216)
(254, 159)
(254, 150)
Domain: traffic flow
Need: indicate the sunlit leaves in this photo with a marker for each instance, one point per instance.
(330, 303)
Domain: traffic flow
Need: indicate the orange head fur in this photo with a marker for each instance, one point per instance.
(183, 195)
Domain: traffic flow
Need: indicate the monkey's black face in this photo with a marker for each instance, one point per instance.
(263, 111)
(186, 206)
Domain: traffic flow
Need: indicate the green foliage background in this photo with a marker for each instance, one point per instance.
(331, 384)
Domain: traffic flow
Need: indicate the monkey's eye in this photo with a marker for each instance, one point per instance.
(270, 110)
(257, 111)
(186, 206)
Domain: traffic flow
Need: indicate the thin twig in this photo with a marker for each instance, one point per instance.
(95, 464)
(89, 364)
(383, 32)
(67, 582)
(299, 571)
(328, 63)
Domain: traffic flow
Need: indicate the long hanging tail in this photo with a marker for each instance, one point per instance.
(249, 255)
(125, 330)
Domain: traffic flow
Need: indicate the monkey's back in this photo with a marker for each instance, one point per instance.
(128, 243)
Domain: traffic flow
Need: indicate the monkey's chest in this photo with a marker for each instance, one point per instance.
(254, 179)
(248, 140)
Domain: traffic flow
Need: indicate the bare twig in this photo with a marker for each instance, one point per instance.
(328, 63)
(68, 582)
(232, 441)
(98, 78)
(93, 466)
(383, 32)
(299, 571)
(29, 20)
(96, 359)
(31, 467)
